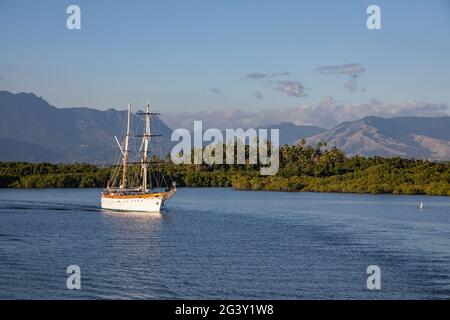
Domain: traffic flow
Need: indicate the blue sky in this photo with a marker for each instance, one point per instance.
(175, 52)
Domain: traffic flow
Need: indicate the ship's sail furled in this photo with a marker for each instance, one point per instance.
(128, 196)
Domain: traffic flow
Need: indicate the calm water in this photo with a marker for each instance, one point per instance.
(221, 243)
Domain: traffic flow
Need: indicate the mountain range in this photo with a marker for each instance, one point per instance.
(33, 130)
(290, 133)
(410, 137)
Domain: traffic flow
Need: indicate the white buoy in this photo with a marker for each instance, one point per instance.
(421, 205)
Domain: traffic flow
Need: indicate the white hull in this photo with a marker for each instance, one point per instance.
(133, 204)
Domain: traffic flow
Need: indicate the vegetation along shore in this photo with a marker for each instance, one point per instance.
(303, 168)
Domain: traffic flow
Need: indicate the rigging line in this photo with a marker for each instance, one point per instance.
(155, 176)
(117, 158)
(162, 181)
(134, 174)
(159, 145)
(163, 178)
(163, 173)
(116, 171)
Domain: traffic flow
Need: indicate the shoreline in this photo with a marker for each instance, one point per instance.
(243, 190)
(302, 168)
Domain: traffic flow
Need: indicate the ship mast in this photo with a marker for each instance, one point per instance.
(146, 138)
(146, 184)
(125, 153)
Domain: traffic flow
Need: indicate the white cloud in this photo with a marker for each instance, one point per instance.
(256, 76)
(353, 70)
(261, 76)
(327, 113)
(291, 88)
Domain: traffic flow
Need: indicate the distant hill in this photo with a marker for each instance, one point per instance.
(33, 130)
(13, 150)
(412, 137)
(290, 133)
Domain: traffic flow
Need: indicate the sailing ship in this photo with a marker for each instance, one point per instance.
(142, 198)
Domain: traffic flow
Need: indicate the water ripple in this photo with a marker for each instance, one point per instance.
(220, 243)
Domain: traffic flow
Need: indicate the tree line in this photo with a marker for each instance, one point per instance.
(302, 168)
